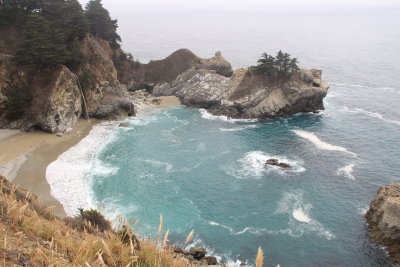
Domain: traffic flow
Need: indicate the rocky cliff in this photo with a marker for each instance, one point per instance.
(53, 98)
(383, 219)
(213, 85)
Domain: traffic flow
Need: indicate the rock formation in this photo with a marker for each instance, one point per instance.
(383, 219)
(50, 97)
(275, 162)
(212, 85)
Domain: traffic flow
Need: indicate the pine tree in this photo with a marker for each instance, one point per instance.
(101, 24)
(41, 44)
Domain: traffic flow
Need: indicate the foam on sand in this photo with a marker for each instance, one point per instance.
(319, 143)
(68, 175)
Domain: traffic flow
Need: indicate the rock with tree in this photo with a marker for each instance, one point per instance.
(280, 67)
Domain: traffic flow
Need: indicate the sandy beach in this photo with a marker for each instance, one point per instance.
(24, 157)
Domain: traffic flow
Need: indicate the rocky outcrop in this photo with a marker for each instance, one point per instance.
(197, 256)
(245, 95)
(219, 64)
(106, 98)
(139, 76)
(50, 98)
(275, 162)
(383, 219)
(53, 101)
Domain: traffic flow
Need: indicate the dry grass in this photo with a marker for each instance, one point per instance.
(32, 236)
(259, 258)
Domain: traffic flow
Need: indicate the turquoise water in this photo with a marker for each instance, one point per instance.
(205, 173)
(208, 174)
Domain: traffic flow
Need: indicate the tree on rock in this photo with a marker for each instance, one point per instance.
(41, 43)
(280, 67)
(101, 24)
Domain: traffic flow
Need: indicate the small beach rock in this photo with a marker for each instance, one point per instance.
(211, 260)
(197, 253)
(275, 162)
(123, 125)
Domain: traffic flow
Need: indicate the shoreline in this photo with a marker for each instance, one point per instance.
(25, 156)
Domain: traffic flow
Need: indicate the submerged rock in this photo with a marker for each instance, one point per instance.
(383, 219)
(275, 162)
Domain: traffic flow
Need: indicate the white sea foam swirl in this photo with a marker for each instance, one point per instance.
(319, 143)
(370, 114)
(67, 176)
(347, 171)
(300, 221)
(206, 115)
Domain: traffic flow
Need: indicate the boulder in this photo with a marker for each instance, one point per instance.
(220, 65)
(383, 219)
(275, 162)
(197, 253)
(306, 76)
(211, 260)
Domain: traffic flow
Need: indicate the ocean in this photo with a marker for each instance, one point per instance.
(207, 173)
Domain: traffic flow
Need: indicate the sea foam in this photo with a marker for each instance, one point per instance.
(68, 175)
(371, 114)
(206, 115)
(253, 165)
(347, 171)
(300, 221)
(319, 143)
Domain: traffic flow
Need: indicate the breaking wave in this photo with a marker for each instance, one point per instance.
(253, 165)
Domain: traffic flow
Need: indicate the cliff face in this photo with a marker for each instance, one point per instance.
(243, 95)
(50, 97)
(383, 219)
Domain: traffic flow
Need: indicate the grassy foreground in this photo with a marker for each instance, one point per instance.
(31, 236)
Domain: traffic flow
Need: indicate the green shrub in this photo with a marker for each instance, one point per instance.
(95, 218)
(18, 101)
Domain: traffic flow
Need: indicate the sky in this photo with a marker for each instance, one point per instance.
(282, 3)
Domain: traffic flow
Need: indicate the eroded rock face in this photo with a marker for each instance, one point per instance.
(219, 64)
(383, 219)
(247, 96)
(106, 98)
(55, 99)
(55, 96)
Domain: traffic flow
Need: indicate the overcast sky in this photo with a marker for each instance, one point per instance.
(279, 3)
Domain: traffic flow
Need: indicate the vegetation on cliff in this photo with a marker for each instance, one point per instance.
(50, 31)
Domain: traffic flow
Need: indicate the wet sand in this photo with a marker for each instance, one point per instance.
(24, 157)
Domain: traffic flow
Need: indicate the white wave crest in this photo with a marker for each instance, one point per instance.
(253, 165)
(319, 143)
(67, 176)
(388, 89)
(241, 128)
(371, 114)
(206, 115)
(347, 171)
(300, 221)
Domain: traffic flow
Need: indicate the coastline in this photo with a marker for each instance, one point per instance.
(25, 156)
